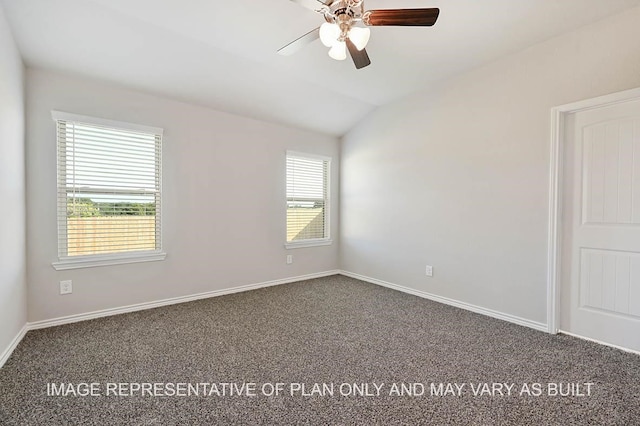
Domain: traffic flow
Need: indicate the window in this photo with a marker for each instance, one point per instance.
(109, 192)
(307, 200)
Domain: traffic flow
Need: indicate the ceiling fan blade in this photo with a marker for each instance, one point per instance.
(360, 57)
(401, 17)
(300, 42)
(313, 4)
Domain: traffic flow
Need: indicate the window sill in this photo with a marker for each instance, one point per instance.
(308, 243)
(94, 261)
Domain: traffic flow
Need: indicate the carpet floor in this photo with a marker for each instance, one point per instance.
(378, 356)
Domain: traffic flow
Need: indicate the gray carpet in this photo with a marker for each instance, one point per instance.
(332, 330)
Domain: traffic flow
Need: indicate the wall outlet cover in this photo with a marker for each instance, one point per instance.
(66, 287)
(429, 271)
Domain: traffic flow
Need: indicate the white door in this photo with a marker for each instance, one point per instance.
(600, 290)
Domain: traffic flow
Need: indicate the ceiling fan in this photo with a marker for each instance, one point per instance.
(341, 32)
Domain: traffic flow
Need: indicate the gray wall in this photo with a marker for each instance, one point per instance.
(458, 178)
(223, 205)
(13, 308)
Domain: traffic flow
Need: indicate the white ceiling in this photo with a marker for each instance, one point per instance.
(222, 54)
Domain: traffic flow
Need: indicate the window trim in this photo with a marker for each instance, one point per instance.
(315, 242)
(95, 260)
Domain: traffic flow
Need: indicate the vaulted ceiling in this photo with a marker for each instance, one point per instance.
(222, 54)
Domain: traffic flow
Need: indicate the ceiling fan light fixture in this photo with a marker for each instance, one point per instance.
(360, 37)
(339, 51)
(329, 34)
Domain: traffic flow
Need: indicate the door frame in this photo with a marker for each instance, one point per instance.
(559, 115)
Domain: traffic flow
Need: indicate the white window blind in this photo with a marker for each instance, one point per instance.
(307, 198)
(109, 187)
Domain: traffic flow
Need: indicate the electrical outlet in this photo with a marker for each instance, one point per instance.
(429, 271)
(289, 259)
(66, 287)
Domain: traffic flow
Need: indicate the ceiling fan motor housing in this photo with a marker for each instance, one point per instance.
(338, 9)
(344, 13)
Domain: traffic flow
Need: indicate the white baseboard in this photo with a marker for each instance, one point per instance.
(149, 305)
(600, 342)
(12, 346)
(171, 301)
(4, 356)
(445, 300)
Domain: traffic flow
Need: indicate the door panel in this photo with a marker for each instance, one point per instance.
(606, 281)
(611, 160)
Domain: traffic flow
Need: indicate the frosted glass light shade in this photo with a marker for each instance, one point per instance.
(359, 37)
(339, 51)
(329, 34)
